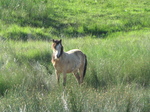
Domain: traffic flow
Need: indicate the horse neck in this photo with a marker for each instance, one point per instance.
(62, 55)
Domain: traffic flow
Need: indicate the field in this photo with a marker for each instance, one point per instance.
(115, 36)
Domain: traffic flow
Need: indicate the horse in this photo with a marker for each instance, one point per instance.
(73, 61)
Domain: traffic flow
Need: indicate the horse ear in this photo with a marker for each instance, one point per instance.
(53, 40)
(60, 40)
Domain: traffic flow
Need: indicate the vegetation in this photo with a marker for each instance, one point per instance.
(44, 19)
(113, 34)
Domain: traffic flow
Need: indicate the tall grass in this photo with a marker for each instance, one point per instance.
(117, 76)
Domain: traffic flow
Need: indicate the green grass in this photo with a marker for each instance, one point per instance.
(117, 76)
(47, 19)
(113, 34)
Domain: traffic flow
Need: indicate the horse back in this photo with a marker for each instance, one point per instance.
(75, 53)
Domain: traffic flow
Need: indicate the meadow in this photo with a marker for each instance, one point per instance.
(115, 36)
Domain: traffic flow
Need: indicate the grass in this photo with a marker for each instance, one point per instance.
(54, 18)
(113, 34)
(117, 77)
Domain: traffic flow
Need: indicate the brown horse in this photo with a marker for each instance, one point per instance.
(73, 61)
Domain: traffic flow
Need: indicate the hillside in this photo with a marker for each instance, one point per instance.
(36, 19)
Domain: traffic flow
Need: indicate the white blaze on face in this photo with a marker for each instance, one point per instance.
(57, 51)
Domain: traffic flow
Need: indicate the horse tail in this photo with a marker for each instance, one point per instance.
(85, 66)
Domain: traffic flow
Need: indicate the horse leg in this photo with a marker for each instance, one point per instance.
(81, 74)
(57, 76)
(77, 77)
(64, 81)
